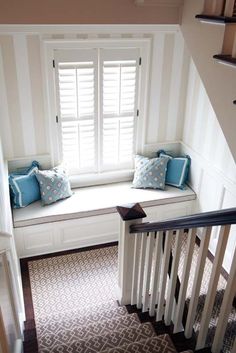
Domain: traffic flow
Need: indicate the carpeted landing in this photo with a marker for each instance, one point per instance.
(76, 311)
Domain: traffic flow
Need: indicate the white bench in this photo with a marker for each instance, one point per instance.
(89, 217)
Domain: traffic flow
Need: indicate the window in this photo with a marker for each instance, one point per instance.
(97, 105)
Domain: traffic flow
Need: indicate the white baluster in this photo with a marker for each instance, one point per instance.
(184, 281)
(225, 308)
(234, 47)
(213, 7)
(147, 271)
(229, 8)
(4, 346)
(156, 272)
(208, 306)
(197, 281)
(173, 278)
(137, 243)
(165, 265)
(141, 269)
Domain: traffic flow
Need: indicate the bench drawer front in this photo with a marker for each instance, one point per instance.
(34, 240)
(65, 235)
(168, 211)
(88, 231)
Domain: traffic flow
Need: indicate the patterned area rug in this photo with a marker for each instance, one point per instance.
(76, 311)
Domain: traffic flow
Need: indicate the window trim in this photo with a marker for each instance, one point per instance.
(144, 45)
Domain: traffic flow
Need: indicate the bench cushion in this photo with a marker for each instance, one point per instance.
(97, 200)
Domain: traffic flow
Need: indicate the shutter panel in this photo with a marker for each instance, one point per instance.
(77, 107)
(118, 107)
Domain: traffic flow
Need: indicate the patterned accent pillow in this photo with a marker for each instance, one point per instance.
(54, 185)
(24, 187)
(177, 169)
(150, 172)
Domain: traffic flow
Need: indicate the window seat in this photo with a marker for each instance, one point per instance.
(97, 200)
(89, 217)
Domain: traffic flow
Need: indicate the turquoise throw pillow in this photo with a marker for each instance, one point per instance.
(177, 169)
(150, 172)
(54, 185)
(24, 187)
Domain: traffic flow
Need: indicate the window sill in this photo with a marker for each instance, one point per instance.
(82, 180)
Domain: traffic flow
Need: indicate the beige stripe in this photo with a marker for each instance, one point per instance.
(166, 82)
(33, 44)
(194, 108)
(183, 95)
(9, 65)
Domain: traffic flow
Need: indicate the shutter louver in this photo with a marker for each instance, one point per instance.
(77, 111)
(97, 105)
(119, 109)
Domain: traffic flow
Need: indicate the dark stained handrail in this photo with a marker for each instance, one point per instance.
(206, 219)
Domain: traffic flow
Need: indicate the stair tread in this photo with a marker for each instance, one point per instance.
(49, 340)
(74, 319)
(217, 19)
(227, 58)
(155, 344)
(107, 341)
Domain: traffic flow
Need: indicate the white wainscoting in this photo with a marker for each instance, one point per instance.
(215, 190)
(78, 233)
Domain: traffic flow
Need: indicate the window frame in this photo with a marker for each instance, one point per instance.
(50, 45)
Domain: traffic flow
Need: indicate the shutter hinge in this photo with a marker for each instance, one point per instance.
(56, 118)
(140, 61)
(137, 112)
(53, 63)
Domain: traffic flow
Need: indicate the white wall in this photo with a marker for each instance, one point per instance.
(213, 170)
(9, 243)
(203, 41)
(23, 114)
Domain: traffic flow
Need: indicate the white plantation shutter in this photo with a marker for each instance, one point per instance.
(90, 81)
(118, 107)
(76, 78)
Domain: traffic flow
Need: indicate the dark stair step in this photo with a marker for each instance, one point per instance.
(216, 19)
(30, 346)
(227, 59)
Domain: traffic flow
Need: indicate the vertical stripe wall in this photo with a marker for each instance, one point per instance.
(202, 132)
(23, 121)
(213, 170)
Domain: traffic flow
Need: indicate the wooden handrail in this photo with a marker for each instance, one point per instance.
(206, 219)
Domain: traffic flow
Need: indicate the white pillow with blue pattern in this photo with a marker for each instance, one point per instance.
(54, 185)
(150, 173)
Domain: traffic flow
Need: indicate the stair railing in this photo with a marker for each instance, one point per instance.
(149, 257)
(10, 332)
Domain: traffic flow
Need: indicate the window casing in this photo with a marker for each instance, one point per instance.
(96, 94)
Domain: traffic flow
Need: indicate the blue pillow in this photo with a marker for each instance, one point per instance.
(54, 185)
(24, 187)
(177, 169)
(149, 173)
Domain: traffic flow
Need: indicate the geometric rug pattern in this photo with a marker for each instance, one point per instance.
(75, 307)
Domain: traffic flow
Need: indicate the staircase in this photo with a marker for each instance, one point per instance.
(100, 329)
(149, 277)
(209, 30)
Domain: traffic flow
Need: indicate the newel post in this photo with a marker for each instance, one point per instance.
(130, 214)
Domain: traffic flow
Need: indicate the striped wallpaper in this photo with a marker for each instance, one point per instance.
(213, 170)
(23, 120)
(202, 131)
